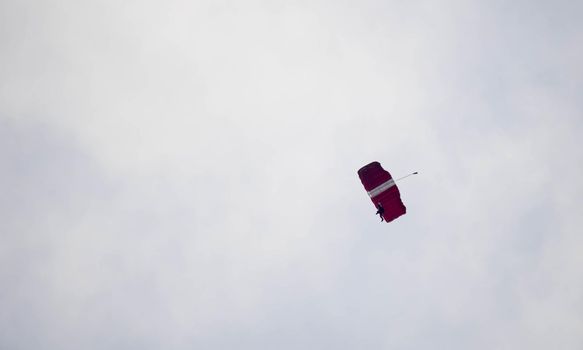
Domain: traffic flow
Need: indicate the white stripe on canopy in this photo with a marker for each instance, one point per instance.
(381, 188)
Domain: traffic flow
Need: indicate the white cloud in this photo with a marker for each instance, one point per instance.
(184, 174)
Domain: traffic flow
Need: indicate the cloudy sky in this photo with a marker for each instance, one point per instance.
(182, 174)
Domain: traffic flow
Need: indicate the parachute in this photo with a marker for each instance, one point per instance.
(381, 188)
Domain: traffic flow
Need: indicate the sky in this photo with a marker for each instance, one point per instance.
(182, 174)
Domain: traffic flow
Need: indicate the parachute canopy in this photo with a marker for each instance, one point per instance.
(381, 188)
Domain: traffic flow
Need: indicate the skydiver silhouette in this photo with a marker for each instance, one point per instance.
(380, 211)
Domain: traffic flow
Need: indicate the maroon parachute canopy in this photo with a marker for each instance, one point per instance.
(382, 189)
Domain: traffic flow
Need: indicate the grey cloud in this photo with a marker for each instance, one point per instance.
(183, 175)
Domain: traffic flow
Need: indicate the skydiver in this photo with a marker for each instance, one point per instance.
(380, 211)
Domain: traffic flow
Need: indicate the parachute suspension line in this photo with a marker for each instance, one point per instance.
(401, 178)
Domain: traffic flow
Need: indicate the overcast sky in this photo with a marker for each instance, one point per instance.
(182, 174)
